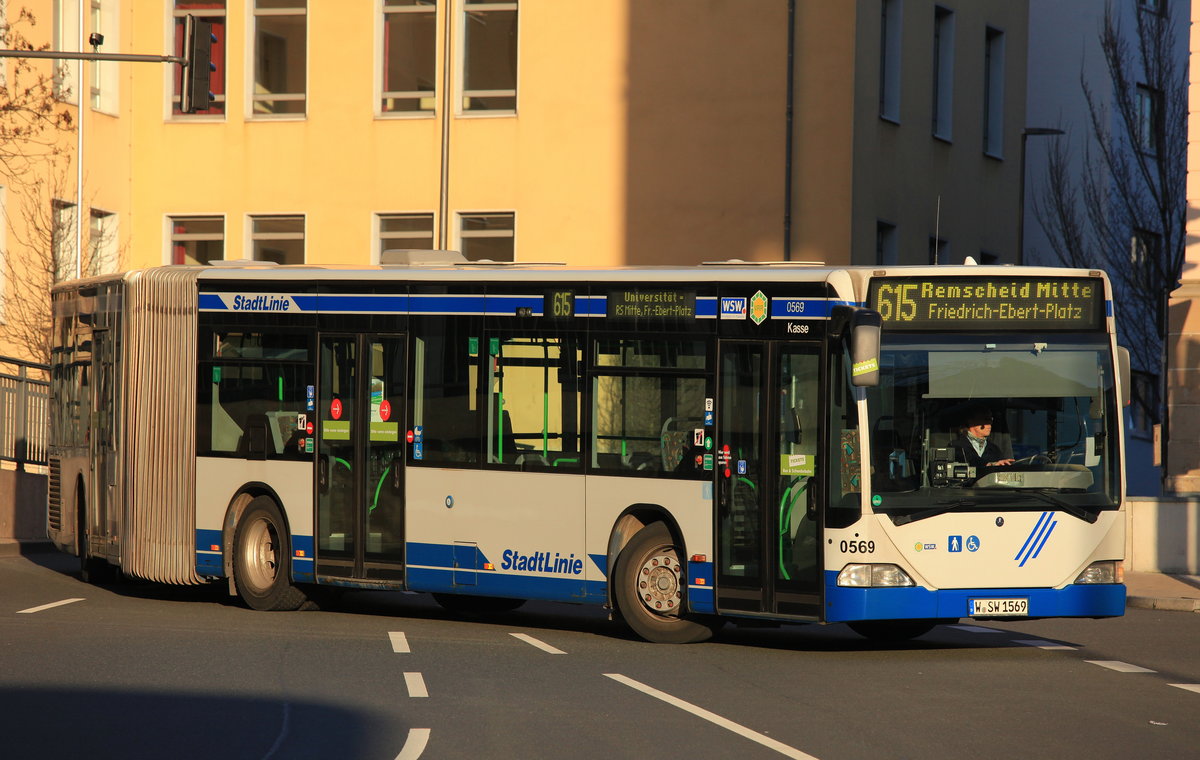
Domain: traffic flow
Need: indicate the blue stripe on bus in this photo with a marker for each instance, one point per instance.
(361, 303)
(1108, 310)
(706, 307)
(1076, 600)
(489, 583)
(805, 308)
(591, 306)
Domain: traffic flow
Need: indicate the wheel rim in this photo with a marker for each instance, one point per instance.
(658, 582)
(260, 555)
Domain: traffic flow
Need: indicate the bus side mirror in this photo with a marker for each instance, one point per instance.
(862, 328)
(1124, 375)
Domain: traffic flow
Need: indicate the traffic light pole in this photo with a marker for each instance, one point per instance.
(63, 55)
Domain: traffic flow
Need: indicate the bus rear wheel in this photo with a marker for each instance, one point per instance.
(648, 588)
(261, 556)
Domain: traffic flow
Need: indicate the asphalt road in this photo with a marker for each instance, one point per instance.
(148, 671)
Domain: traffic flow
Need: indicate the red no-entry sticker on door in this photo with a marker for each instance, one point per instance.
(335, 409)
(385, 410)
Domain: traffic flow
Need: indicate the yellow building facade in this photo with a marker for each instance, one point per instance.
(600, 134)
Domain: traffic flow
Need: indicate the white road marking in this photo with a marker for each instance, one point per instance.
(1043, 644)
(416, 685)
(539, 644)
(711, 717)
(976, 629)
(399, 642)
(1120, 667)
(1188, 686)
(49, 606)
(415, 744)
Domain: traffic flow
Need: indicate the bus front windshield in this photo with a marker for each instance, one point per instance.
(980, 422)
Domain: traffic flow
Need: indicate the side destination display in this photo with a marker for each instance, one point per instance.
(988, 303)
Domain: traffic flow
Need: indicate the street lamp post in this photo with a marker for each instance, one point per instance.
(1025, 135)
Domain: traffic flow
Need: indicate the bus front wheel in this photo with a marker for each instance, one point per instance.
(649, 584)
(261, 559)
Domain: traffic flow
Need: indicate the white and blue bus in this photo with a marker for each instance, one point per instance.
(684, 446)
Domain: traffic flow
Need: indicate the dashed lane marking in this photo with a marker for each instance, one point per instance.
(416, 685)
(1043, 644)
(1120, 667)
(49, 606)
(711, 717)
(539, 644)
(1188, 686)
(415, 744)
(399, 642)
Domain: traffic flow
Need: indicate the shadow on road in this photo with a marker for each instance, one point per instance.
(72, 722)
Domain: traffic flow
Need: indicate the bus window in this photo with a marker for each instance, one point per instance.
(446, 382)
(845, 470)
(533, 406)
(647, 399)
(251, 409)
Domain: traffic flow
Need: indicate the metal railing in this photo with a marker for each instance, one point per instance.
(24, 412)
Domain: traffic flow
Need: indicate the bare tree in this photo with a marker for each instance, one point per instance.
(1125, 212)
(32, 119)
(34, 122)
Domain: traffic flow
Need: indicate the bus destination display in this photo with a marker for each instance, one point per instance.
(988, 303)
(652, 304)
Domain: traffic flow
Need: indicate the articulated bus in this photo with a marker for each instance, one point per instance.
(775, 443)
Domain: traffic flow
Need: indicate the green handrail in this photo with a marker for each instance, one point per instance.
(785, 516)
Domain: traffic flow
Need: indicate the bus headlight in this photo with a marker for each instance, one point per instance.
(870, 576)
(1108, 571)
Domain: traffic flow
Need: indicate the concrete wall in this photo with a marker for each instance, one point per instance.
(22, 506)
(1163, 536)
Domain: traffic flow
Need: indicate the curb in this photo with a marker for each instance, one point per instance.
(1160, 603)
(18, 548)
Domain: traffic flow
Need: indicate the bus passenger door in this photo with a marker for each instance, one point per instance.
(768, 549)
(360, 465)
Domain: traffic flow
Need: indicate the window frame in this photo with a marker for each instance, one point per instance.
(437, 9)
(380, 236)
(173, 238)
(891, 59)
(461, 234)
(465, 7)
(994, 59)
(253, 235)
(254, 13)
(942, 98)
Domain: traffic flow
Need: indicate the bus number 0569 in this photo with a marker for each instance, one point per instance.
(857, 547)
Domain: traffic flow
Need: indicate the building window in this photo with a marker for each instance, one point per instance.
(212, 11)
(885, 244)
(993, 94)
(939, 249)
(1149, 119)
(63, 240)
(277, 238)
(943, 72)
(66, 38)
(889, 60)
(280, 57)
(489, 64)
(197, 239)
(102, 243)
(104, 74)
(487, 236)
(409, 79)
(405, 232)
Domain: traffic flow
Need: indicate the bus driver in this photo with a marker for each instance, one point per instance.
(973, 443)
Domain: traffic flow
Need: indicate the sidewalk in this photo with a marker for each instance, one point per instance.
(1151, 591)
(1159, 591)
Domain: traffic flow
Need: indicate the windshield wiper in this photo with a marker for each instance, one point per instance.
(1066, 506)
(942, 508)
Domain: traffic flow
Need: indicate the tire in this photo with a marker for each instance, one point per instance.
(893, 630)
(477, 606)
(261, 559)
(92, 570)
(649, 590)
